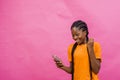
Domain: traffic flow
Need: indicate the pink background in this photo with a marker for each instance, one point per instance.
(32, 30)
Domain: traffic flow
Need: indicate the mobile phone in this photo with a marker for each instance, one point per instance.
(57, 59)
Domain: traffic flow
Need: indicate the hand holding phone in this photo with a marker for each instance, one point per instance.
(56, 59)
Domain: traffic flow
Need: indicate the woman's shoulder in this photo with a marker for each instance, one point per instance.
(70, 46)
(96, 44)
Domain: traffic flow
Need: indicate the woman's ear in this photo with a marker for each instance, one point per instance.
(85, 41)
(85, 33)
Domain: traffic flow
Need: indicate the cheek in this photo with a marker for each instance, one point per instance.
(83, 36)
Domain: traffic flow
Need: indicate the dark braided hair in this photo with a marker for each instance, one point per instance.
(81, 25)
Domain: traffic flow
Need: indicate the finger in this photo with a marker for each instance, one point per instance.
(91, 39)
(58, 63)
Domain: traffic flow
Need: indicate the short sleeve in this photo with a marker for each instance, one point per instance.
(97, 50)
(69, 52)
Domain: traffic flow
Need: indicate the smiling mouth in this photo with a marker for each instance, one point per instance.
(79, 41)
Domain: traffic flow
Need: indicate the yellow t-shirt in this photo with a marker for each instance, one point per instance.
(81, 61)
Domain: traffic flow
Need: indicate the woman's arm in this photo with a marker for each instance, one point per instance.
(95, 63)
(67, 69)
(60, 65)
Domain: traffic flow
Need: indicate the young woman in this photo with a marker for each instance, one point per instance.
(84, 55)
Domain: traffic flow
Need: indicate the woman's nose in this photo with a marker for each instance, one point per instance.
(80, 36)
(75, 37)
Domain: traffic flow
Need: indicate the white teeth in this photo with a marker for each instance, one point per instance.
(77, 41)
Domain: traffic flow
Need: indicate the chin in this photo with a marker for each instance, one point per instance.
(79, 43)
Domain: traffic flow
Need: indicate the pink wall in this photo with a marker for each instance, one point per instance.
(32, 30)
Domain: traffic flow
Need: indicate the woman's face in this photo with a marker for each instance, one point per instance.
(79, 35)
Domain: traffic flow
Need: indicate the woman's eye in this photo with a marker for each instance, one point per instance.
(77, 34)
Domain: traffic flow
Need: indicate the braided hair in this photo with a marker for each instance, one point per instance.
(81, 25)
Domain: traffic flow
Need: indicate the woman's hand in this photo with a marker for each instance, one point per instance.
(90, 43)
(58, 61)
(60, 65)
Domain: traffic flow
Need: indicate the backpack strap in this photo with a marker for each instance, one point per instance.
(72, 54)
(73, 49)
(90, 65)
